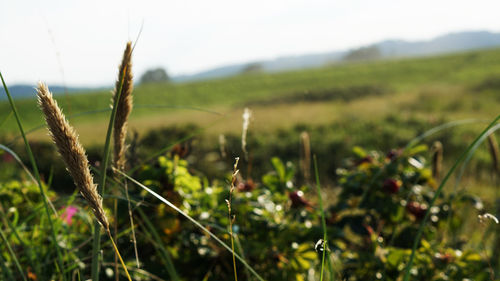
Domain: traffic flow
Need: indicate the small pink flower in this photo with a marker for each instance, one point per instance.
(68, 214)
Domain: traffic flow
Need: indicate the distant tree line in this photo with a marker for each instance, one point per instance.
(154, 76)
(253, 67)
(363, 54)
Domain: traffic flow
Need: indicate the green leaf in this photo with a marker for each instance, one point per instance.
(417, 149)
(279, 167)
(395, 257)
(359, 152)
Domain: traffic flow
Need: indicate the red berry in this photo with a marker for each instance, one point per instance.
(366, 159)
(391, 185)
(297, 199)
(246, 186)
(393, 154)
(416, 209)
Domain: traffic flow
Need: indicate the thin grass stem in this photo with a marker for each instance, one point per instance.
(131, 218)
(12, 254)
(28, 248)
(438, 192)
(38, 180)
(194, 222)
(159, 245)
(118, 254)
(5, 269)
(97, 227)
(231, 217)
(439, 128)
(323, 220)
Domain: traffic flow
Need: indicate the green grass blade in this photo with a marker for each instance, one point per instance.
(169, 147)
(96, 246)
(440, 128)
(28, 248)
(18, 159)
(194, 222)
(159, 244)
(12, 254)
(5, 269)
(242, 253)
(323, 221)
(438, 192)
(37, 176)
(6, 118)
(471, 152)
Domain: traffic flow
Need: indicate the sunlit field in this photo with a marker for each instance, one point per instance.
(381, 170)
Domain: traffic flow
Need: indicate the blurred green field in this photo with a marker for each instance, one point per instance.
(377, 105)
(359, 118)
(452, 87)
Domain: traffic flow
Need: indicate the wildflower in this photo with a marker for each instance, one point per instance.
(68, 214)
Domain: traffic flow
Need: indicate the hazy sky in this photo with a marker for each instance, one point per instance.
(81, 42)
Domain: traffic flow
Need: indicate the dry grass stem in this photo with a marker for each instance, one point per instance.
(222, 146)
(437, 160)
(246, 122)
(230, 215)
(495, 153)
(124, 107)
(72, 152)
(305, 155)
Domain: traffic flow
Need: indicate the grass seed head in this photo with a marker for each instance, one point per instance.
(124, 106)
(72, 152)
(437, 159)
(247, 114)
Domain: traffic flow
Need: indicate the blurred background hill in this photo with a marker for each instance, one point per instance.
(387, 49)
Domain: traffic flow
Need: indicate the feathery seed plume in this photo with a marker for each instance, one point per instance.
(124, 107)
(437, 159)
(246, 122)
(72, 152)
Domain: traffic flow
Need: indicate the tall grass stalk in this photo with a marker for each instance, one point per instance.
(305, 156)
(230, 216)
(470, 148)
(38, 180)
(151, 231)
(124, 107)
(96, 246)
(323, 222)
(74, 157)
(168, 203)
(437, 160)
(242, 253)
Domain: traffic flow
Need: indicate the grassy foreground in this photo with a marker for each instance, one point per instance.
(390, 216)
